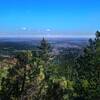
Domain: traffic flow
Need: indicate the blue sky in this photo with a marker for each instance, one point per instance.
(49, 17)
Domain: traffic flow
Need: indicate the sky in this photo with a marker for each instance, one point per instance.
(73, 18)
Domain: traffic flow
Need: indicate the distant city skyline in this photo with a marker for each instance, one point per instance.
(49, 18)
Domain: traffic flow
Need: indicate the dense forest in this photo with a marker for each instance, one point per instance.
(41, 75)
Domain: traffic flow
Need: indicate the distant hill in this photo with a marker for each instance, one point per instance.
(23, 43)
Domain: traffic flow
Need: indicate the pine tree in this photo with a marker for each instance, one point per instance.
(45, 49)
(88, 66)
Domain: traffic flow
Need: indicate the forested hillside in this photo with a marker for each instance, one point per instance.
(40, 74)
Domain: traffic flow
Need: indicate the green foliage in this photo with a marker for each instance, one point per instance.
(42, 76)
(3, 75)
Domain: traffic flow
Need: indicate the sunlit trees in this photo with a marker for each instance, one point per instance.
(14, 84)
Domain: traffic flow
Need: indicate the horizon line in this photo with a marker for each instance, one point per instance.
(47, 36)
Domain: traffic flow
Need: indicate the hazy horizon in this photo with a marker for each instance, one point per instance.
(46, 36)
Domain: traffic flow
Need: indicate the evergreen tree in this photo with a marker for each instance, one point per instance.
(88, 67)
(45, 50)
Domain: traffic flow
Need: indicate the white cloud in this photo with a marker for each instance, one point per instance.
(24, 28)
(48, 30)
